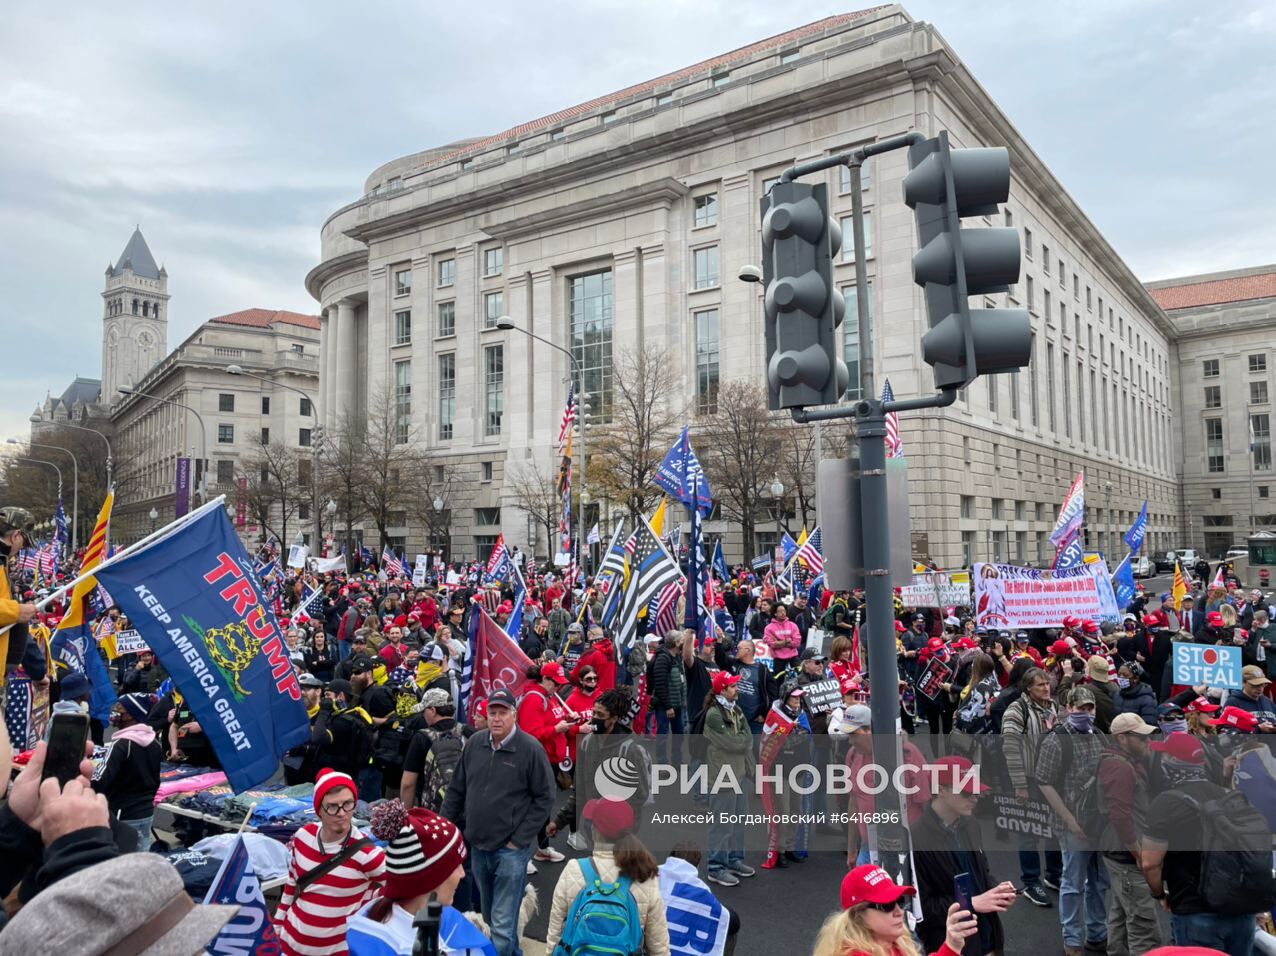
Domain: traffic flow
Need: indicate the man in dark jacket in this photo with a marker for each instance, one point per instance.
(129, 772)
(947, 841)
(1252, 697)
(669, 688)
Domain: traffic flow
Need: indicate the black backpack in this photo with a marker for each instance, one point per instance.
(391, 745)
(440, 763)
(1088, 809)
(1236, 855)
(697, 746)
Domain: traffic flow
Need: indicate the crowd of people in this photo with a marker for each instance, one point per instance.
(418, 798)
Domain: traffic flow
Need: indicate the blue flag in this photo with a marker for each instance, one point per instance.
(720, 562)
(761, 562)
(514, 626)
(77, 649)
(1071, 555)
(680, 474)
(790, 547)
(1123, 583)
(396, 936)
(236, 884)
(61, 535)
(697, 575)
(198, 606)
(1138, 531)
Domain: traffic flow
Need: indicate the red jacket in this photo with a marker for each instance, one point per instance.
(539, 714)
(602, 658)
(428, 612)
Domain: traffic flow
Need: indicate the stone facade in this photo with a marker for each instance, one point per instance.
(657, 189)
(1225, 327)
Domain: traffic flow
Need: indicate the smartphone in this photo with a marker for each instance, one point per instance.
(68, 733)
(964, 888)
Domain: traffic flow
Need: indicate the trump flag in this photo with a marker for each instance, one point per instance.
(198, 605)
(250, 931)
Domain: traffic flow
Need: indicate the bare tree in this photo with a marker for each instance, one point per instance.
(741, 448)
(625, 453)
(276, 480)
(450, 487)
(799, 457)
(535, 491)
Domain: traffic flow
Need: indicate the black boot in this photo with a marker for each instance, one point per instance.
(791, 857)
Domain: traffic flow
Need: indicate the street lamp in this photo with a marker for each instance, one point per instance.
(505, 323)
(41, 461)
(154, 516)
(777, 489)
(203, 434)
(314, 440)
(92, 431)
(330, 509)
(75, 487)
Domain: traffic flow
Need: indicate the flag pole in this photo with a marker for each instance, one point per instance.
(153, 538)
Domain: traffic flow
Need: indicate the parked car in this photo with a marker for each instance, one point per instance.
(1186, 556)
(1233, 553)
(1143, 566)
(1165, 562)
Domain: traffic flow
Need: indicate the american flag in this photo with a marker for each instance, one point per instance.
(27, 560)
(569, 417)
(311, 605)
(490, 598)
(666, 616)
(391, 564)
(17, 712)
(894, 444)
(812, 552)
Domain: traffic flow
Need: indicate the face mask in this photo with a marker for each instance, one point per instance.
(1174, 726)
(600, 726)
(1123, 682)
(1081, 722)
(115, 720)
(727, 705)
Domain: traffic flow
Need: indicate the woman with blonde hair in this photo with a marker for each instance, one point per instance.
(871, 922)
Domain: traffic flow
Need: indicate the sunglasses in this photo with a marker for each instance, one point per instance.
(885, 907)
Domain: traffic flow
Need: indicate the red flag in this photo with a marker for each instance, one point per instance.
(498, 662)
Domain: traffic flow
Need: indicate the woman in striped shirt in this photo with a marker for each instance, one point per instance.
(333, 870)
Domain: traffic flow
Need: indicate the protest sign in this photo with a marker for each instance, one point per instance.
(935, 674)
(420, 570)
(1028, 818)
(1211, 664)
(937, 589)
(1010, 597)
(822, 696)
(129, 642)
(297, 556)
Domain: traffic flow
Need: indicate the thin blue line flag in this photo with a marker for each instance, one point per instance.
(198, 605)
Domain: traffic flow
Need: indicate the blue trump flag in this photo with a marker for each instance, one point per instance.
(76, 648)
(1071, 555)
(1138, 531)
(790, 547)
(680, 474)
(1123, 584)
(236, 884)
(720, 562)
(197, 603)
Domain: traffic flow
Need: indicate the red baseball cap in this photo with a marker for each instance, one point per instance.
(554, 671)
(1059, 648)
(1181, 746)
(899, 627)
(1214, 619)
(1089, 627)
(948, 772)
(610, 818)
(1235, 718)
(1202, 705)
(480, 709)
(1071, 623)
(507, 607)
(935, 643)
(871, 884)
(722, 680)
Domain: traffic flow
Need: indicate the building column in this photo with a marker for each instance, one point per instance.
(325, 353)
(345, 359)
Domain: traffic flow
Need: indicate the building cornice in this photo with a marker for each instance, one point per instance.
(325, 272)
(661, 192)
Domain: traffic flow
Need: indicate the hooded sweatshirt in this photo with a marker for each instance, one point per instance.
(602, 658)
(128, 774)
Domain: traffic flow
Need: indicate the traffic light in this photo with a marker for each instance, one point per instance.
(803, 307)
(943, 186)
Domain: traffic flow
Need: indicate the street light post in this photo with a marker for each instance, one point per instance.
(75, 487)
(439, 504)
(505, 323)
(91, 431)
(314, 441)
(203, 433)
(154, 516)
(41, 461)
(777, 489)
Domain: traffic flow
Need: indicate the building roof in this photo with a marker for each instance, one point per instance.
(267, 318)
(705, 67)
(137, 256)
(1234, 288)
(86, 390)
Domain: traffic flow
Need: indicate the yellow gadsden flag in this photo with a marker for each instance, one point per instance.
(94, 552)
(658, 519)
(1179, 591)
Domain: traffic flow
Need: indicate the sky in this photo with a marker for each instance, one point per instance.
(230, 131)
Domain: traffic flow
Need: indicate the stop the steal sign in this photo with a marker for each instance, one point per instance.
(1207, 664)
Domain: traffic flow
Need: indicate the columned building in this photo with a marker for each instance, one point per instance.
(1225, 327)
(620, 224)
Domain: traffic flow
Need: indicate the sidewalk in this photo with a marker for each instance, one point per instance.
(533, 947)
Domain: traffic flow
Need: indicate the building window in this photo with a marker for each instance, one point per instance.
(225, 471)
(303, 437)
(402, 328)
(705, 265)
(486, 468)
(1213, 396)
(1258, 393)
(992, 392)
(1014, 395)
(706, 328)
(1076, 286)
(851, 339)
(447, 319)
(789, 57)
(1209, 368)
(1214, 445)
(225, 402)
(1216, 494)
(609, 118)
(967, 506)
(1089, 299)
(225, 434)
(265, 404)
(493, 308)
(844, 173)
(1045, 258)
(1033, 408)
(1063, 278)
(265, 436)
(1010, 219)
(1030, 294)
(1050, 406)
(1027, 242)
(721, 80)
(447, 395)
(487, 517)
(706, 210)
(1260, 440)
(664, 99)
(996, 509)
(590, 308)
(305, 407)
(493, 389)
(447, 272)
(402, 402)
(1258, 363)
(848, 237)
(402, 282)
(1264, 491)
(996, 457)
(493, 261)
(967, 548)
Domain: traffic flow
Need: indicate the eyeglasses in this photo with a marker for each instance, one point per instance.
(885, 907)
(332, 809)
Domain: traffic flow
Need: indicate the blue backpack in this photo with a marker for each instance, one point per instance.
(603, 919)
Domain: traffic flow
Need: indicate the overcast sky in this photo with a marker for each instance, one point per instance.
(231, 130)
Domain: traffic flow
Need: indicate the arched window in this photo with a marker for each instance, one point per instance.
(155, 310)
(135, 306)
(146, 308)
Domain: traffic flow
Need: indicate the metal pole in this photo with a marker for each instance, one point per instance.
(867, 385)
(75, 491)
(203, 434)
(93, 431)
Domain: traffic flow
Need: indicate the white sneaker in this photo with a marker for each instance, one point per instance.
(576, 841)
(531, 868)
(548, 855)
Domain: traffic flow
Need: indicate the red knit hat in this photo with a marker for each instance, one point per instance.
(610, 818)
(422, 849)
(329, 780)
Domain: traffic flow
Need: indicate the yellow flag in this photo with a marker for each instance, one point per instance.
(658, 519)
(1179, 591)
(94, 553)
(802, 537)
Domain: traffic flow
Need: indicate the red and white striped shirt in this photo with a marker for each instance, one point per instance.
(315, 923)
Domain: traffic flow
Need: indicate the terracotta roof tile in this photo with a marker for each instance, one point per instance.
(704, 67)
(265, 318)
(1216, 292)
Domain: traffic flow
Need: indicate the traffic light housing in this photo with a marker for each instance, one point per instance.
(943, 186)
(803, 307)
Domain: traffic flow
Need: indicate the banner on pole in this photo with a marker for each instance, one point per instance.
(1010, 597)
(937, 589)
(182, 501)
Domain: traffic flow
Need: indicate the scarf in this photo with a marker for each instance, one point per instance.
(427, 672)
(727, 705)
(1177, 772)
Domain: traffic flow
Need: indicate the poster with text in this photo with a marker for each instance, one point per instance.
(1011, 597)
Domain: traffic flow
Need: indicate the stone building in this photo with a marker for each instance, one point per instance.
(621, 223)
(1225, 330)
